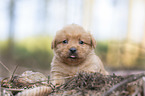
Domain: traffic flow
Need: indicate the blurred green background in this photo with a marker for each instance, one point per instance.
(27, 28)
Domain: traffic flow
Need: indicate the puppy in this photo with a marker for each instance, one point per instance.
(73, 52)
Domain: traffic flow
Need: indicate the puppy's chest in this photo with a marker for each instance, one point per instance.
(71, 71)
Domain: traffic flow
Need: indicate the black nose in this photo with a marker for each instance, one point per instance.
(73, 50)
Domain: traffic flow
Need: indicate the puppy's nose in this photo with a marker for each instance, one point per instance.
(73, 50)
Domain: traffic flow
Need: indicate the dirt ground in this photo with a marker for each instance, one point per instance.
(96, 84)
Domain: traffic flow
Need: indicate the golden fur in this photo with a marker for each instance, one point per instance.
(85, 58)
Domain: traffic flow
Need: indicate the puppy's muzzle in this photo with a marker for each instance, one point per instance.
(73, 54)
(72, 50)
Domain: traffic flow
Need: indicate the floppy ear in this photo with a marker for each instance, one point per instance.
(93, 42)
(53, 44)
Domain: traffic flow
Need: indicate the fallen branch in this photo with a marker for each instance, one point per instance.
(131, 79)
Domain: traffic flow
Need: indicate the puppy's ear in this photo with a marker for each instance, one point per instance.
(53, 44)
(93, 42)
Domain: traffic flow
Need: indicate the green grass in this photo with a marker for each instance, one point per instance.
(37, 52)
(30, 52)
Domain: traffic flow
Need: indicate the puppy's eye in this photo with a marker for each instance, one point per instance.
(81, 42)
(65, 42)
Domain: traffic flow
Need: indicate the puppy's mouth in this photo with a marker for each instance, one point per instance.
(72, 56)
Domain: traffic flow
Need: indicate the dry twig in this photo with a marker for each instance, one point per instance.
(5, 67)
(14, 72)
